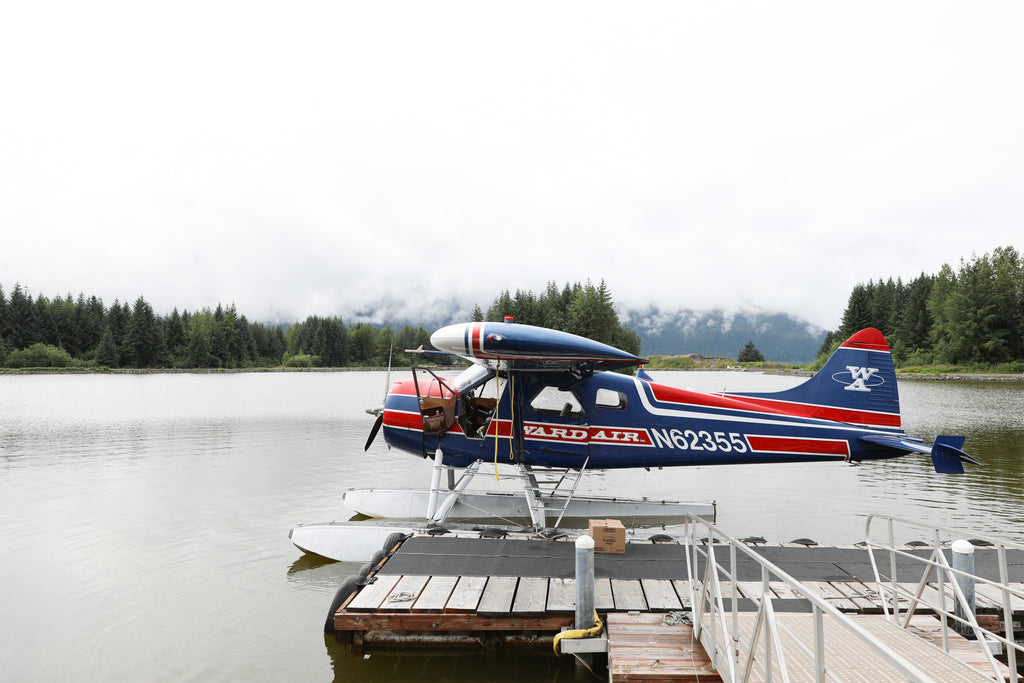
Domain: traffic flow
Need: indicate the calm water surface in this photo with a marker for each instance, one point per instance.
(144, 519)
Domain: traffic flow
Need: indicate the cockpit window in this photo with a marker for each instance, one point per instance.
(606, 398)
(554, 401)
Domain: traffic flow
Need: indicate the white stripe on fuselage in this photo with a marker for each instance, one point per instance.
(782, 420)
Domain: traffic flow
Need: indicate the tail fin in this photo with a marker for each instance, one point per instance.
(856, 385)
(947, 456)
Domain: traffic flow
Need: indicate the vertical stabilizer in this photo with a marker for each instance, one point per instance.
(857, 385)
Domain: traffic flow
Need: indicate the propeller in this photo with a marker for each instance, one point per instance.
(373, 432)
(380, 413)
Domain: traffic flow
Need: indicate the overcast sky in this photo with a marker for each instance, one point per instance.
(317, 158)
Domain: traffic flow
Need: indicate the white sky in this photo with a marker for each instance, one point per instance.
(317, 158)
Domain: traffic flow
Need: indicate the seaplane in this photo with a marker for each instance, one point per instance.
(550, 406)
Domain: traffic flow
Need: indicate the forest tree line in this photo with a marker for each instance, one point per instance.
(82, 332)
(972, 315)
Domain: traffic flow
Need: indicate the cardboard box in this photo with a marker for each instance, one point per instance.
(609, 535)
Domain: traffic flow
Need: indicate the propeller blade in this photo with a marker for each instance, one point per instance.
(373, 432)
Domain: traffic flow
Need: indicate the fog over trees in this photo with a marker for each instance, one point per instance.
(83, 332)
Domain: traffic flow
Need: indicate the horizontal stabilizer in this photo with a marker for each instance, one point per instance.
(901, 443)
(947, 456)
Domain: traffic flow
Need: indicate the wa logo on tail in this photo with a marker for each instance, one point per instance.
(859, 378)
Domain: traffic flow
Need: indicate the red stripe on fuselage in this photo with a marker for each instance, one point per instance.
(789, 444)
(476, 347)
(847, 415)
(669, 394)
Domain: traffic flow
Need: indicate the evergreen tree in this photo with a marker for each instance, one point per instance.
(23, 329)
(1008, 294)
(914, 320)
(386, 350)
(501, 307)
(750, 354)
(858, 310)
(89, 321)
(199, 353)
(142, 336)
(590, 314)
(106, 350)
(177, 335)
(3, 314)
(363, 344)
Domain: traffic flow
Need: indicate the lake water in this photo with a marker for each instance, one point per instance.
(144, 518)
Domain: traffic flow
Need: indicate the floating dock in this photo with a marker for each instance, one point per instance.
(510, 594)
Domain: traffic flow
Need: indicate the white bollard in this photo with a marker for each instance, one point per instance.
(584, 582)
(963, 560)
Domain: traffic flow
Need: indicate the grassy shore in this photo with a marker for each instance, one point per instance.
(1003, 372)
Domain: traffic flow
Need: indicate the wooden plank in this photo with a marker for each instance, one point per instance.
(629, 595)
(682, 587)
(498, 595)
(449, 621)
(562, 596)
(372, 595)
(435, 594)
(466, 595)
(404, 594)
(641, 648)
(660, 595)
(753, 590)
(784, 591)
(865, 599)
(995, 596)
(831, 595)
(531, 596)
(604, 601)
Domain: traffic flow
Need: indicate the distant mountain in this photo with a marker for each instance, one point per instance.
(779, 337)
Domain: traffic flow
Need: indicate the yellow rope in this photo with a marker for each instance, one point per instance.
(512, 414)
(495, 421)
(580, 633)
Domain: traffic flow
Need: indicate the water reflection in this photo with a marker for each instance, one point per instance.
(468, 666)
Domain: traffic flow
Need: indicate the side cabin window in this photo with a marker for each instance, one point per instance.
(554, 401)
(615, 400)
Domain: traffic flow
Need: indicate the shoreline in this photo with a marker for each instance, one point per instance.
(915, 376)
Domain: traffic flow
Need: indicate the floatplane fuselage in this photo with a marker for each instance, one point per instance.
(538, 400)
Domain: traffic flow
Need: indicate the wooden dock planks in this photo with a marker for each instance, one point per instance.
(628, 595)
(497, 597)
(419, 605)
(372, 595)
(531, 596)
(642, 648)
(467, 593)
(660, 595)
(435, 594)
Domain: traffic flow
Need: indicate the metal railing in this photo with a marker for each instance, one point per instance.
(738, 649)
(941, 586)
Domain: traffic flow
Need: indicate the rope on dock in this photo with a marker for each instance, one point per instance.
(595, 630)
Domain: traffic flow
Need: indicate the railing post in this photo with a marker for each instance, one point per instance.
(819, 645)
(963, 561)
